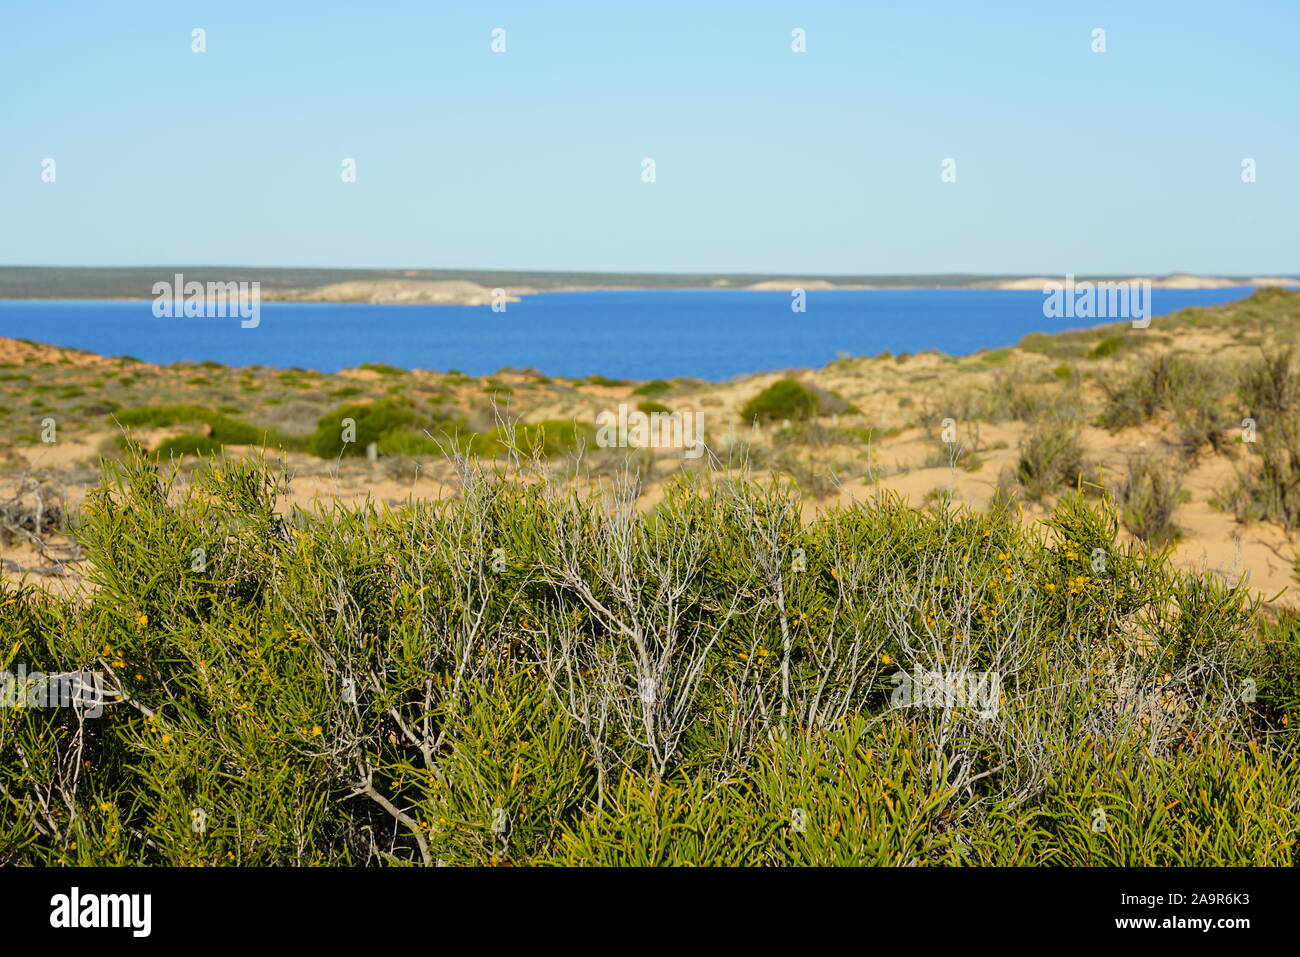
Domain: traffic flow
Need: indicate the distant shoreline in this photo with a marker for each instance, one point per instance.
(482, 287)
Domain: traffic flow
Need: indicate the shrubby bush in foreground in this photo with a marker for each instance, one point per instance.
(524, 675)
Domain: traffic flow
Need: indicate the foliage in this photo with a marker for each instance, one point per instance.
(1147, 498)
(223, 429)
(372, 421)
(784, 399)
(520, 674)
(1051, 456)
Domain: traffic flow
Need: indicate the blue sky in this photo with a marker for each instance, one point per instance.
(766, 160)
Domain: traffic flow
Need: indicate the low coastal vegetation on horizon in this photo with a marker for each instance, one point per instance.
(476, 287)
(411, 617)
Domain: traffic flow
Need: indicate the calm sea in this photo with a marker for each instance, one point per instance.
(642, 335)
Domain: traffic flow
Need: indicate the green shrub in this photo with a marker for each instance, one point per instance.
(373, 421)
(1276, 673)
(513, 778)
(440, 439)
(553, 437)
(784, 399)
(1010, 398)
(604, 382)
(1269, 488)
(1051, 456)
(410, 443)
(1147, 498)
(653, 389)
(515, 674)
(1106, 347)
(1133, 400)
(1056, 346)
(1209, 805)
(1269, 387)
(1191, 388)
(188, 445)
(224, 429)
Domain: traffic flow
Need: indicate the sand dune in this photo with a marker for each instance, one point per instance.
(783, 285)
(456, 292)
(1175, 281)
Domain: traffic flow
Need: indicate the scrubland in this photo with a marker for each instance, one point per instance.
(496, 642)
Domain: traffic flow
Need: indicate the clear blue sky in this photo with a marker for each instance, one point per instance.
(767, 161)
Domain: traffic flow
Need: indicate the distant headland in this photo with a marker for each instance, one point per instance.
(479, 287)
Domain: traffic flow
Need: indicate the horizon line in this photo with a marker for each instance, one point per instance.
(638, 272)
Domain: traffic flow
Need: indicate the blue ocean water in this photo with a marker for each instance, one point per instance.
(643, 335)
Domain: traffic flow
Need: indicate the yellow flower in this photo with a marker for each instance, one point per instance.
(886, 660)
(141, 620)
(166, 739)
(315, 731)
